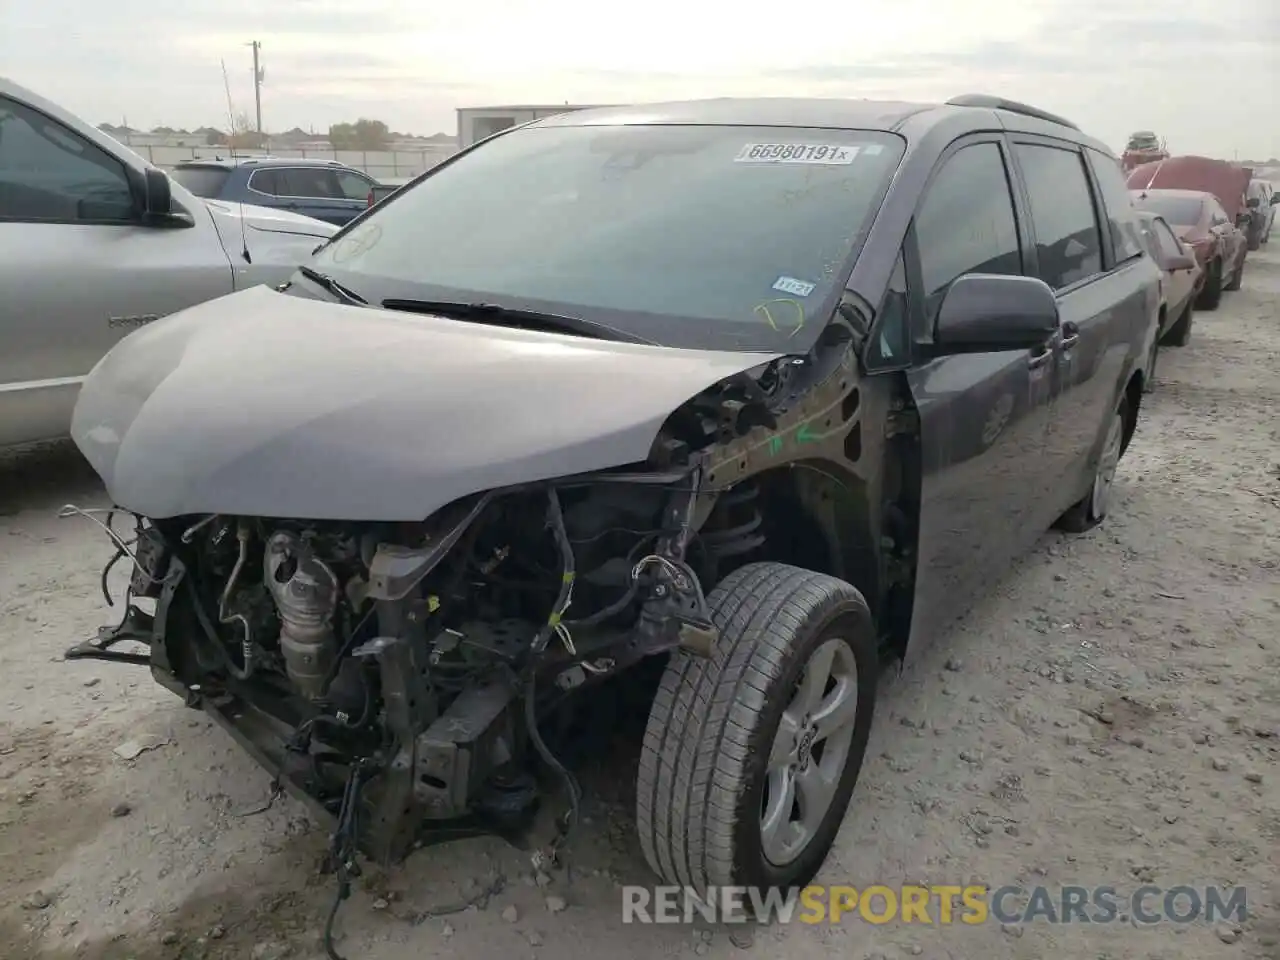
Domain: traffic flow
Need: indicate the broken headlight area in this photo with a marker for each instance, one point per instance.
(420, 663)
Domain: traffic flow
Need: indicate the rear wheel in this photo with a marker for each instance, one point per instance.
(1211, 295)
(1091, 509)
(750, 757)
(1179, 335)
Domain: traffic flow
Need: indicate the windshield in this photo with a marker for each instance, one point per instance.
(1179, 211)
(202, 181)
(711, 237)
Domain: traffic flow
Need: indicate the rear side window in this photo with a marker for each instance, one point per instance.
(1121, 220)
(202, 181)
(966, 223)
(353, 186)
(1068, 241)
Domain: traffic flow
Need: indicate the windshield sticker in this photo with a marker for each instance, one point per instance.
(817, 153)
(793, 286)
(792, 311)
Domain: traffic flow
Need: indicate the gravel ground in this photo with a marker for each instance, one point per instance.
(1109, 715)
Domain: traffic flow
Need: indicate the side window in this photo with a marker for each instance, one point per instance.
(266, 181)
(966, 223)
(353, 186)
(1169, 244)
(1217, 216)
(50, 173)
(310, 182)
(1068, 242)
(891, 344)
(1121, 216)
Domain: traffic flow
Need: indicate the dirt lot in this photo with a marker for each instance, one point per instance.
(1110, 715)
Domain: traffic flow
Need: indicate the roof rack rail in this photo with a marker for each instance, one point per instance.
(1013, 106)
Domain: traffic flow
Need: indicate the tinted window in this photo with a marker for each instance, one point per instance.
(202, 181)
(1068, 244)
(1180, 211)
(1115, 198)
(966, 223)
(702, 236)
(353, 186)
(267, 181)
(1169, 244)
(310, 182)
(47, 172)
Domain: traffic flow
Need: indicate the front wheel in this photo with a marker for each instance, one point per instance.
(750, 757)
(1211, 295)
(1179, 335)
(1237, 278)
(1092, 508)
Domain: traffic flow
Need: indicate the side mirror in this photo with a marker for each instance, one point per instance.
(1252, 203)
(158, 197)
(987, 313)
(1180, 261)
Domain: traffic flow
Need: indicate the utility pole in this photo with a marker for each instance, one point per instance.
(257, 84)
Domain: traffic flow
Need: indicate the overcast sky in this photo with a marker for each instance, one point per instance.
(1204, 73)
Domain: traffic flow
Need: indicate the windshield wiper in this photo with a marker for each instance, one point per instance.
(497, 315)
(343, 293)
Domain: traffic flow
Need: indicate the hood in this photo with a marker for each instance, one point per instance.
(229, 216)
(262, 404)
(1226, 181)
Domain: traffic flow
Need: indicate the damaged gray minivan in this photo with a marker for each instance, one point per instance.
(760, 392)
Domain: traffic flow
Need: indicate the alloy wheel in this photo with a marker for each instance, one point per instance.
(809, 752)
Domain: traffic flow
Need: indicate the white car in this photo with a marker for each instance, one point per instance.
(95, 242)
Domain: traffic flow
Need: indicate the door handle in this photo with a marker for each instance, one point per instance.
(1070, 335)
(1038, 360)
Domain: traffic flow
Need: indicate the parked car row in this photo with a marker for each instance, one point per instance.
(1217, 211)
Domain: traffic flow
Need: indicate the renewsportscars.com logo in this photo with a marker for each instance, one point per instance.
(941, 904)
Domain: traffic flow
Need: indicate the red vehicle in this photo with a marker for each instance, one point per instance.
(1202, 225)
(1142, 147)
(1228, 183)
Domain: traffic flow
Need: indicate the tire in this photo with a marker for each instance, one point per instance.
(1179, 335)
(1237, 278)
(1211, 296)
(716, 724)
(1091, 509)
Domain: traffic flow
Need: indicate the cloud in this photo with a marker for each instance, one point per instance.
(1201, 72)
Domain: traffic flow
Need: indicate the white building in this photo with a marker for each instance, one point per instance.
(476, 123)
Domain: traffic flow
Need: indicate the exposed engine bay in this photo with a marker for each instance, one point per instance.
(406, 679)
